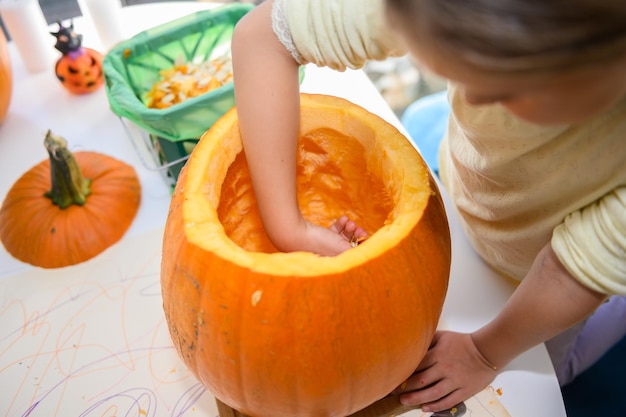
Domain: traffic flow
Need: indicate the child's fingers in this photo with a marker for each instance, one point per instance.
(349, 230)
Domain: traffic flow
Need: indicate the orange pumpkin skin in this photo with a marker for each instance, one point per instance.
(295, 334)
(6, 79)
(36, 231)
(80, 71)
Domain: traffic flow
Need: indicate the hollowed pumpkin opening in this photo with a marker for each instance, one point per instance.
(333, 179)
(285, 334)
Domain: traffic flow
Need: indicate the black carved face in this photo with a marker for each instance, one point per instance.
(67, 39)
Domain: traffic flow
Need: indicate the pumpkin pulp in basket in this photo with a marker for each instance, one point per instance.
(188, 80)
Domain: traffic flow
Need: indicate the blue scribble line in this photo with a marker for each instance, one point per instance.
(183, 404)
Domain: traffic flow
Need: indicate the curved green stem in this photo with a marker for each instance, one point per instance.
(68, 184)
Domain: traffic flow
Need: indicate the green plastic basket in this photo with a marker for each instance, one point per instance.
(132, 68)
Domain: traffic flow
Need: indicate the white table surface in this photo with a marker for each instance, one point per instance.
(35, 383)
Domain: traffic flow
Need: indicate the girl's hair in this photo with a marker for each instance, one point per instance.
(519, 35)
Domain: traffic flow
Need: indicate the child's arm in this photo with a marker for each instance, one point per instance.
(268, 105)
(548, 301)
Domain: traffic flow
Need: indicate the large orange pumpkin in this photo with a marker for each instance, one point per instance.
(6, 79)
(295, 334)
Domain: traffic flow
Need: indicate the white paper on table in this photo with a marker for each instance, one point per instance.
(483, 404)
(80, 340)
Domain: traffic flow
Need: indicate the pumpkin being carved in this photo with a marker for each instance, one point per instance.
(79, 69)
(295, 334)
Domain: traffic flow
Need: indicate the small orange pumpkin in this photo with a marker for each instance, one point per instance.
(295, 334)
(69, 208)
(6, 79)
(79, 69)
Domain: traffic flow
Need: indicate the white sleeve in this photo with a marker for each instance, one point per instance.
(338, 34)
(591, 243)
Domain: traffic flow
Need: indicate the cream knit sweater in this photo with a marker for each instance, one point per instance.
(515, 185)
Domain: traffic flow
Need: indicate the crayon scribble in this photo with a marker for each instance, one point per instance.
(92, 341)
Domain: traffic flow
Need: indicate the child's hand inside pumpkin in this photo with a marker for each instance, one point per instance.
(349, 230)
(342, 235)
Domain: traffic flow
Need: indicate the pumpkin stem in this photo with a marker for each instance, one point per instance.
(68, 184)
